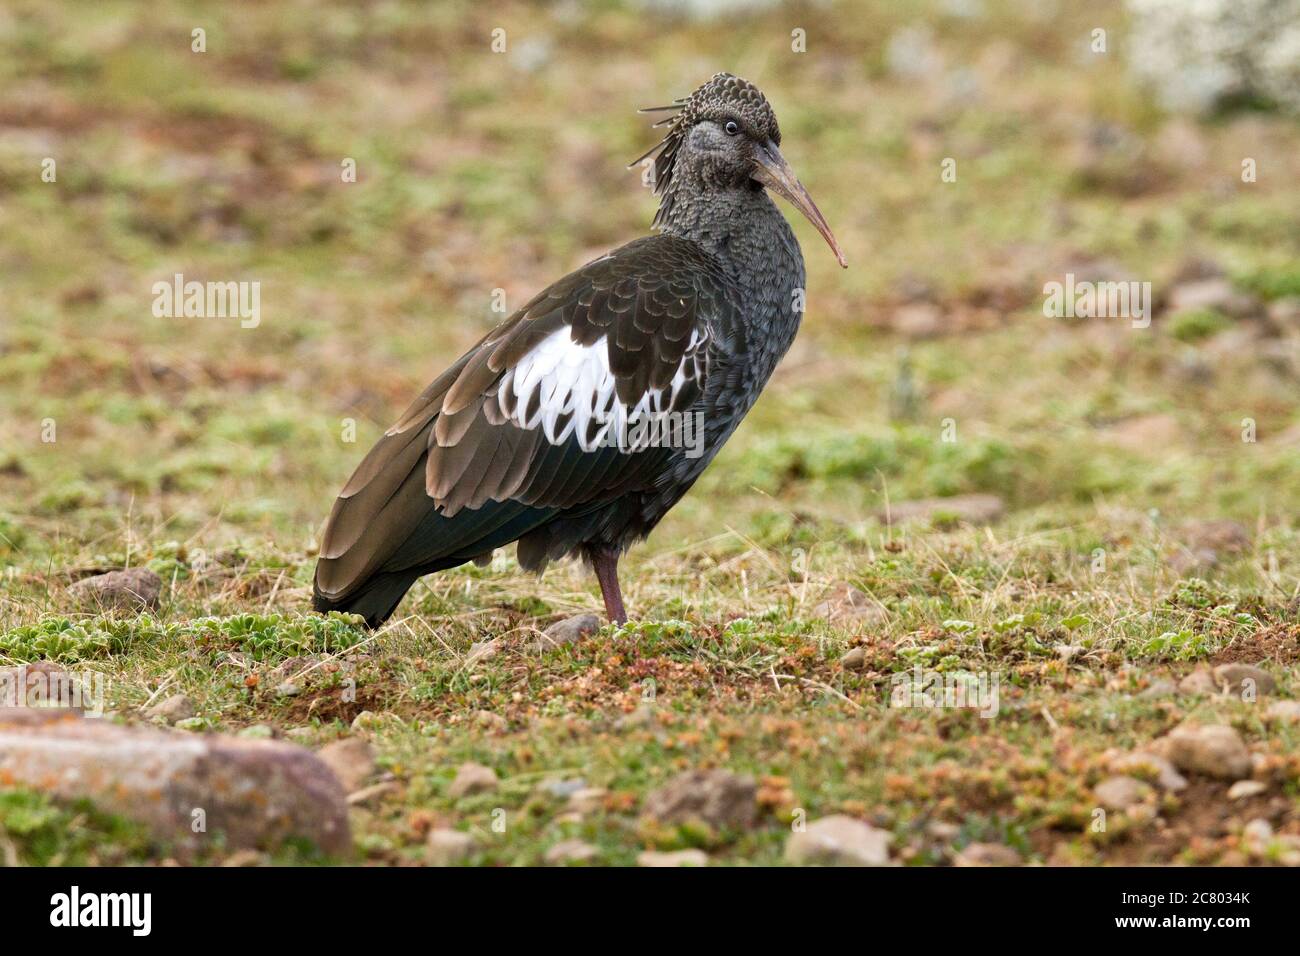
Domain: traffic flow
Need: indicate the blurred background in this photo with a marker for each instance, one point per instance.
(1162, 149)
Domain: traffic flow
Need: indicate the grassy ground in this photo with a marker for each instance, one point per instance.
(211, 453)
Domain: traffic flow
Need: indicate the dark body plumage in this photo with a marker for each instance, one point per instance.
(507, 444)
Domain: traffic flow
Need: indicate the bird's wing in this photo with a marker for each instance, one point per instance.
(527, 422)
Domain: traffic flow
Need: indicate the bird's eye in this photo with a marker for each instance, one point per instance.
(732, 127)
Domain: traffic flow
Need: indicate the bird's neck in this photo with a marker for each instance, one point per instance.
(745, 231)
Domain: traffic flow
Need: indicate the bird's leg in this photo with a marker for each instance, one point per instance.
(606, 564)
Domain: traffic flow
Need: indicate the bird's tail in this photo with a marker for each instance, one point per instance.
(375, 600)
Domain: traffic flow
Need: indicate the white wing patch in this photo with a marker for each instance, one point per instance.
(567, 389)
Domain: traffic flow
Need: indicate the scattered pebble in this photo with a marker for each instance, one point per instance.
(472, 778)
(351, 759)
(257, 793)
(1166, 775)
(1159, 689)
(586, 800)
(854, 660)
(483, 651)
(719, 798)
(174, 708)
(1284, 711)
(1199, 681)
(371, 793)
(1244, 789)
(570, 851)
(491, 721)
(972, 509)
(838, 840)
(130, 589)
(987, 854)
(846, 604)
(1215, 750)
(445, 847)
(1239, 679)
(653, 858)
(1120, 793)
(568, 631)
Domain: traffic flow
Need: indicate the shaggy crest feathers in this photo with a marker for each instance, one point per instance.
(722, 98)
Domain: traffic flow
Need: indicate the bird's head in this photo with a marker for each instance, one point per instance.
(725, 135)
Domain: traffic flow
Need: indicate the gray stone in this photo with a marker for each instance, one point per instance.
(653, 858)
(131, 589)
(1120, 793)
(1166, 776)
(971, 509)
(1215, 750)
(1243, 680)
(257, 793)
(1245, 789)
(174, 708)
(351, 759)
(845, 604)
(838, 840)
(568, 631)
(855, 659)
(472, 778)
(987, 854)
(570, 851)
(446, 847)
(1284, 711)
(719, 798)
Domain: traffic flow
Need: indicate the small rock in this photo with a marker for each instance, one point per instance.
(972, 509)
(1244, 680)
(1158, 689)
(987, 854)
(1166, 775)
(653, 858)
(1199, 681)
(486, 718)
(563, 789)
(570, 851)
(445, 847)
(288, 689)
(472, 778)
(839, 840)
(1256, 836)
(1215, 750)
(373, 792)
(174, 708)
(567, 631)
(257, 793)
(854, 660)
(1120, 793)
(1244, 789)
(1284, 711)
(719, 798)
(918, 320)
(586, 800)
(1285, 312)
(845, 603)
(1144, 433)
(1215, 534)
(1214, 293)
(483, 651)
(130, 589)
(351, 759)
(191, 723)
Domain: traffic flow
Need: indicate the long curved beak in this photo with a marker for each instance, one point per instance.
(775, 173)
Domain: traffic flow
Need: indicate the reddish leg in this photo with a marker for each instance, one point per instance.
(606, 565)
